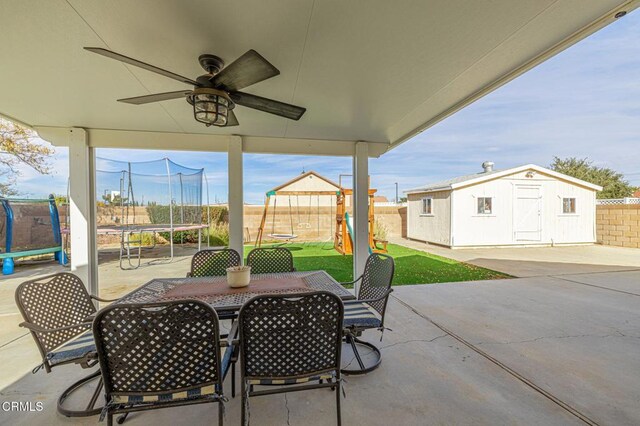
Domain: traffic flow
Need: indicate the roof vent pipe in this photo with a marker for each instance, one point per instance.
(487, 166)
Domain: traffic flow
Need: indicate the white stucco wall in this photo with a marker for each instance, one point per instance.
(434, 228)
(497, 228)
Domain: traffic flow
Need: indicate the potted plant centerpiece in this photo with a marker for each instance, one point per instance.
(238, 276)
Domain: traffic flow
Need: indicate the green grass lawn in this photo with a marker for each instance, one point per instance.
(412, 266)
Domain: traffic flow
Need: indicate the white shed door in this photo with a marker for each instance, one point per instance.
(527, 223)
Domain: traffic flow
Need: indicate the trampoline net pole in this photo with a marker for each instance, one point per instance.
(170, 207)
(181, 207)
(206, 180)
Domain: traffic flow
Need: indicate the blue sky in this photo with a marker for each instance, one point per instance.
(585, 102)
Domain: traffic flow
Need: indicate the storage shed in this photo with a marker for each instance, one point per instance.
(526, 205)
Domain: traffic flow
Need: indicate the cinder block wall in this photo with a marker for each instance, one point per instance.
(618, 225)
(309, 224)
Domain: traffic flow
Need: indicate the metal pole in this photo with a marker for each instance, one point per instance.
(397, 199)
(206, 180)
(181, 207)
(166, 160)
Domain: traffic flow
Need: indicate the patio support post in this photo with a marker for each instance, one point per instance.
(360, 208)
(82, 209)
(236, 197)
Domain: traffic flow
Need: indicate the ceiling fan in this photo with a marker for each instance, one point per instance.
(215, 94)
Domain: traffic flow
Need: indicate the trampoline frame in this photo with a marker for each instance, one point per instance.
(126, 232)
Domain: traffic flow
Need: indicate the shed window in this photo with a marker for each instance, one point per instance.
(568, 205)
(485, 205)
(427, 206)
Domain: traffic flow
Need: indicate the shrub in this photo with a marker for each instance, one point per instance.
(218, 215)
(380, 230)
(146, 240)
(219, 234)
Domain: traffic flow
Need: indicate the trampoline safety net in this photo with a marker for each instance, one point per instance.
(32, 226)
(159, 192)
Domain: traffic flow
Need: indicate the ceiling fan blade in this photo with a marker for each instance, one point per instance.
(232, 120)
(157, 97)
(140, 64)
(271, 106)
(248, 69)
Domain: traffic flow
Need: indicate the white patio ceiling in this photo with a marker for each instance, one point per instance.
(375, 70)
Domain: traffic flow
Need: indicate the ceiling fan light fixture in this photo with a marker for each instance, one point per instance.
(210, 106)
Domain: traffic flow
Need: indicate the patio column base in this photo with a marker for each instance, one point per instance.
(90, 410)
(367, 357)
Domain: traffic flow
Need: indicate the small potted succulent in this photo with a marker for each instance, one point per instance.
(239, 276)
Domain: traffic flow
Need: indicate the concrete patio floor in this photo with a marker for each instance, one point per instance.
(537, 350)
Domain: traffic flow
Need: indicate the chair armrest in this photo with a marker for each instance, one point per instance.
(369, 301)
(352, 282)
(38, 329)
(100, 299)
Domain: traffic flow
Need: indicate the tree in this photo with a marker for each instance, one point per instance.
(18, 146)
(613, 183)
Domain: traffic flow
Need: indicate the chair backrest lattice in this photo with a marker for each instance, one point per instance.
(158, 348)
(55, 301)
(287, 336)
(209, 263)
(376, 280)
(270, 260)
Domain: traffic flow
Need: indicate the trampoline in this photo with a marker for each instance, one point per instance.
(148, 197)
(29, 227)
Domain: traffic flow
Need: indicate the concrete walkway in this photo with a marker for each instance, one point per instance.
(539, 261)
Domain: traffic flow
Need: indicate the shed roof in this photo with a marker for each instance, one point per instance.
(476, 178)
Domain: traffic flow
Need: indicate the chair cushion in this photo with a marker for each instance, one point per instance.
(360, 315)
(225, 354)
(327, 376)
(140, 399)
(73, 349)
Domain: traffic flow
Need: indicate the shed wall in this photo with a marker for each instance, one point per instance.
(497, 228)
(434, 228)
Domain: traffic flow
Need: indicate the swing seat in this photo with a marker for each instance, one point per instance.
(282, 236)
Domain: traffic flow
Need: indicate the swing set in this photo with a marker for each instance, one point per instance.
(289, 234)
(341, 227)
(343, 239)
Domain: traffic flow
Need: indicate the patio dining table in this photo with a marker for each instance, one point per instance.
(224, 299)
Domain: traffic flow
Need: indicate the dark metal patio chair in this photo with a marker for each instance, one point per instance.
(160, 355)
(214, 262)
(290, 343)
(270, 260)
(58, 310)
(368, 311)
